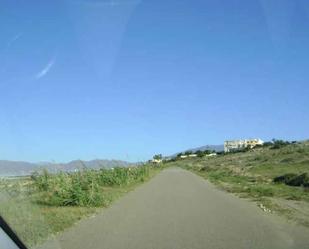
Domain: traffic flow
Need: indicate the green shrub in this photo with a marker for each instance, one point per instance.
(284, 178)
(41, 180)
(277, 144)
(85, 187)
(300, 180)
(199, 153)
(267, 144)
(293, 179)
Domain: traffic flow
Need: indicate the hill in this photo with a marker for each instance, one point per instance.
(251, 174)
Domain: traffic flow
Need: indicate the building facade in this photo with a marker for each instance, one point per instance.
(236, 145)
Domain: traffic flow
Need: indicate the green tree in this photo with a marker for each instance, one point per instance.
(278, 143)
(200, 153)
(157, 157)
(179, 155)
(189, 152)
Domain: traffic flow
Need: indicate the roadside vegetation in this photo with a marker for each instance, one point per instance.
(275, 175)
(45, 203)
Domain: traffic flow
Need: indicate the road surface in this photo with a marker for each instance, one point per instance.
(179, 210)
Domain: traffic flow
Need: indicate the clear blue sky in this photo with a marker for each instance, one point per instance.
(126, 79)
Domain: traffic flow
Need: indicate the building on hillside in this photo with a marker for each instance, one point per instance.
(211, 154)
(188, 155)
(193, 155)
(156, 160)
(236, 145)
(254, 142)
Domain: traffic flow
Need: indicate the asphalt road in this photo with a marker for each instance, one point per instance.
(179, 210)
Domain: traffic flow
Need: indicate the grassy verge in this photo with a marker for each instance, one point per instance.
(250, 175)
(46, 204)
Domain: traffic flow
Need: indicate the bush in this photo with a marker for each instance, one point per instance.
(300, 180)
(71, 189)
(179, 155)
(267, 144)
(277, 144)
(221, 153)
(284, 178)
(199, 153)
(41, 180)
(293, 180)
(157, 157)
(84, 188)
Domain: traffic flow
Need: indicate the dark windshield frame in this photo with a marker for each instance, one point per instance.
(13, 236)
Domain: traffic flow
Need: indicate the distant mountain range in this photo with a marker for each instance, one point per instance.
(216, 148)
(19, 168)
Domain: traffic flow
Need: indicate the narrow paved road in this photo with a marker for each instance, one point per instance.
(179, 210)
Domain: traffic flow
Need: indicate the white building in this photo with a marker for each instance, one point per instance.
(192, 155)
(235, 145)
(189, 155)
(156, 160)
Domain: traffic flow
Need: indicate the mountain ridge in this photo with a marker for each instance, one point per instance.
(216, 148)
(23, 168)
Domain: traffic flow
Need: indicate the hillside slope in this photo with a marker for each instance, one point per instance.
(251, 174)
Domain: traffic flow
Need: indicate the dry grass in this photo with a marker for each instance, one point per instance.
(35, 214)
(250, 174)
